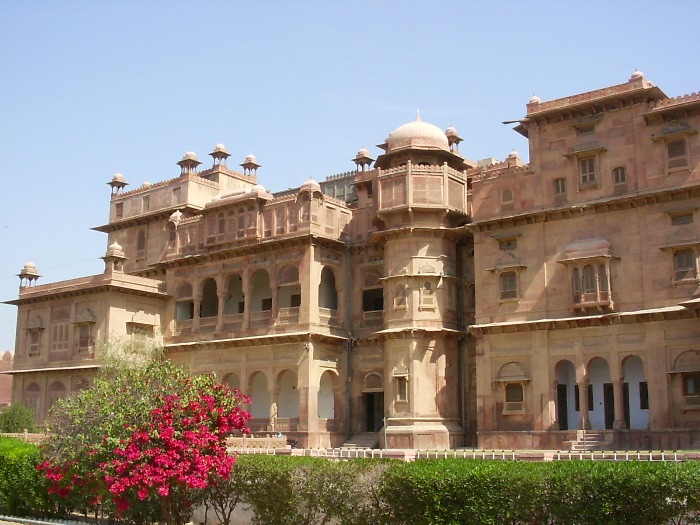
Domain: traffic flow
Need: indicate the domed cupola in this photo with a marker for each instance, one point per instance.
(417, 135)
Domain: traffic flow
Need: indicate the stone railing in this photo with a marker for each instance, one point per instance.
(25, 436)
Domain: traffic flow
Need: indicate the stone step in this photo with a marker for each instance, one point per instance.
(366, 440)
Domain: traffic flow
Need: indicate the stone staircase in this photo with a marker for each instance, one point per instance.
(362, 440)
(590, 440)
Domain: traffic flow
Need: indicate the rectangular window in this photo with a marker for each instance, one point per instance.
(85, 340)
(682, 218)
(295, 300)
(373, 300)
(34, 342)
(619, 175)
(119, 210)
(684, 265)
(643, 396)
(676, 154)
(559, 186)
(145, 203)
(586, 169)
(266, 304)
(402, 388)
(691, 389)
(59, 336)
(509, 285)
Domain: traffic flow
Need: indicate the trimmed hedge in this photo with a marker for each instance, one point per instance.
(23, 490)
(309, 491)
(458, 491)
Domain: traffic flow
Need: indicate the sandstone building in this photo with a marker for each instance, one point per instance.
(422, 300)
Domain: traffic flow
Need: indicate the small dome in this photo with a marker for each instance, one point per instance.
(451, 132)
(514, 155)
(637, 74)
(118, 177)
(250, 158)
(417, 134)
(535, 100)
(310, 185)
(146, 184)
(190, 155)
(29, 266)
(115, 250)
(220, 147)
(258, 188)
(363, 152)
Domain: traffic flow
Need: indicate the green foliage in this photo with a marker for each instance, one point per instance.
(17, 418)
(310, 491)
(23, 490)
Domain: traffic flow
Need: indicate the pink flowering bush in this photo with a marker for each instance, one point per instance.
(143, 443)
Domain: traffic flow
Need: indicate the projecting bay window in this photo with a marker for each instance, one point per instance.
(589, 263)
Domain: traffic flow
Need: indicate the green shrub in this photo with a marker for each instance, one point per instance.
(23, 490)
(17, 418)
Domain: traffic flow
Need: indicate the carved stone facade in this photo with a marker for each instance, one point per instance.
(425, 299)
(587, 279)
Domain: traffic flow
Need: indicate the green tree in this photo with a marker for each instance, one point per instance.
(17, 418)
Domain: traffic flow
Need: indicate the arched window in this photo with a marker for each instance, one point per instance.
(221, 226)
(235, 301)
(507, 199)
(589, 279)
(327, 293)
(209, 305)
(261, 294)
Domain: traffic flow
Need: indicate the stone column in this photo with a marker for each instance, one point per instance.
(618, 398)
(583, 422)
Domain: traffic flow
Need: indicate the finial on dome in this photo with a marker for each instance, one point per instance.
(418, 115)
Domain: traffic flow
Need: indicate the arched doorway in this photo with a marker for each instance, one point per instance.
(635, 393)
(259, 396)
(567, 390)
(601, 400)
(373, 396)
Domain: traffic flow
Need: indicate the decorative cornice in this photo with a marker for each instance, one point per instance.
(642, 316)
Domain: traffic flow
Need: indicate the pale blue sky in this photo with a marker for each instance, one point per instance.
(89, 89)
